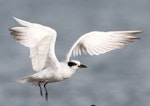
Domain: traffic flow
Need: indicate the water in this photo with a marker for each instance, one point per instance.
(118, 78)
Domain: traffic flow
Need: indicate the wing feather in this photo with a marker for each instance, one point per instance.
(39, 39)
(96, 43)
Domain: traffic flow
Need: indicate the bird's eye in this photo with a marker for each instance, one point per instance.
(71, 64)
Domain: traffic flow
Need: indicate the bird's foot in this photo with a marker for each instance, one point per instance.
(40, 89)
(46, 93)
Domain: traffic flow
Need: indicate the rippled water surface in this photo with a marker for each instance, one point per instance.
(117, 78)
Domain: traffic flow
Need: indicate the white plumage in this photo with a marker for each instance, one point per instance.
(41, 42)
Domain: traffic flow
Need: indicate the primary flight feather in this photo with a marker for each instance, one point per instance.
(41, 42)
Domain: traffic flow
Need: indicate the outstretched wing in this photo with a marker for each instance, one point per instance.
(39, 39)
(96, 43)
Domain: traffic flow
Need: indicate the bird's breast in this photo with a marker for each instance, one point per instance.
(55, 75)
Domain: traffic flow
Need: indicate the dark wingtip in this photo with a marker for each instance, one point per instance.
(10, 29)
(133, 39)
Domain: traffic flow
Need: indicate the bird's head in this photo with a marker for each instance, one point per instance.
(76, 64)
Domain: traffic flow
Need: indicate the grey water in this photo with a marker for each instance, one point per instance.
(117, 78)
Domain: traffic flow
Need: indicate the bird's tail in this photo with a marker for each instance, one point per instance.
(28, 79)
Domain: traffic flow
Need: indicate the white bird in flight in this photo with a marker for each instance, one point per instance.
(41, 42)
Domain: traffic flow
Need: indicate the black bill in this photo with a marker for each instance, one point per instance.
(82, 66)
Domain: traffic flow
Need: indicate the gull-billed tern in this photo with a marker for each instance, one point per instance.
(41, 42)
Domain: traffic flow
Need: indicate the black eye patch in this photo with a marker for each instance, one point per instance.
(71, 64)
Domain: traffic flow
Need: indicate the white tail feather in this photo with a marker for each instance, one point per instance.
(28, 79)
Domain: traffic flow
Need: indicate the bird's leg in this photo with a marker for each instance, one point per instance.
(46, 93)
(40, 89)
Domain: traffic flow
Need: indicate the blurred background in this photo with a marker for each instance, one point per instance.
(117, 78)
